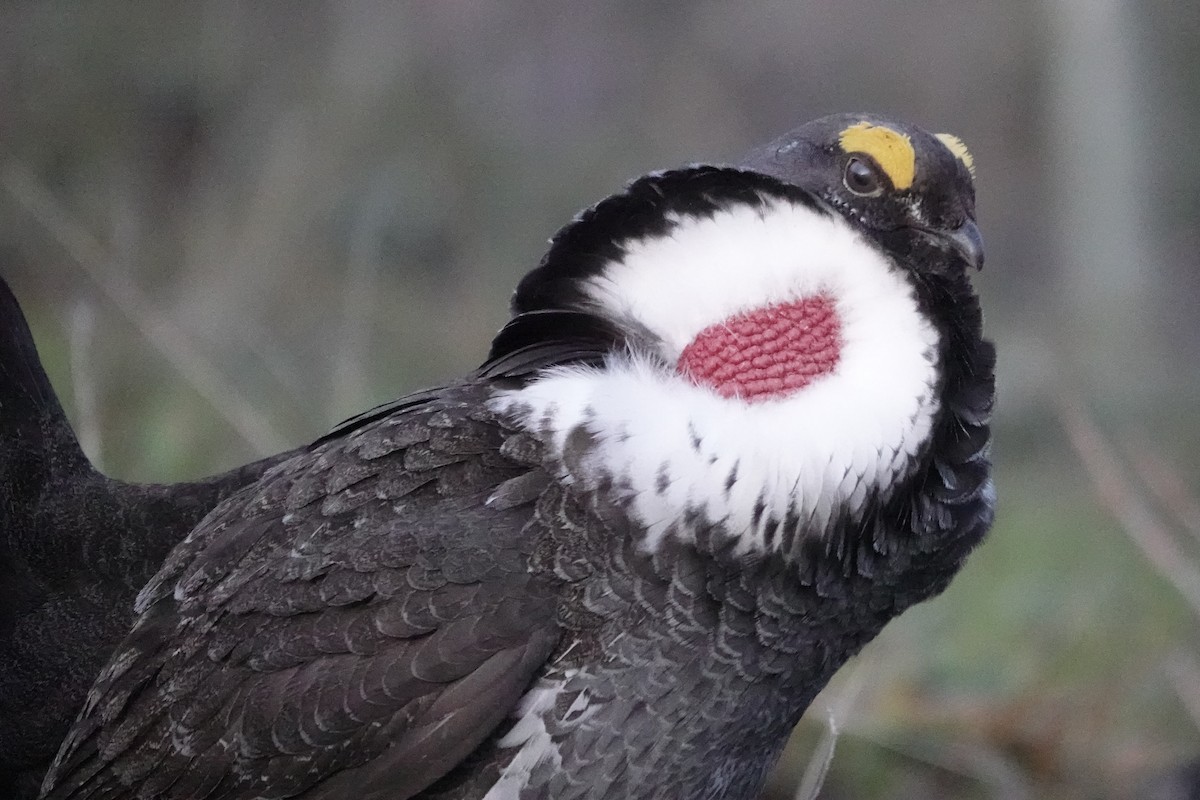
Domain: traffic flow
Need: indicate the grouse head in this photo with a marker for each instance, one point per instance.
(911, 191)
(782, 348)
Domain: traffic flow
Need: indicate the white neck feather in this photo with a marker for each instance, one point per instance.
(675, 446)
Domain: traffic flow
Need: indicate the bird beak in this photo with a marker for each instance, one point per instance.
(966, 241)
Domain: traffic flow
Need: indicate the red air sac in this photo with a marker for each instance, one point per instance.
(768, 352)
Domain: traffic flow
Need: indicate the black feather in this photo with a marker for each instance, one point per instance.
(75, 548)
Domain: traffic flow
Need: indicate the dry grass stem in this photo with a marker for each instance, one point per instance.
(358, 303)
(821, 759)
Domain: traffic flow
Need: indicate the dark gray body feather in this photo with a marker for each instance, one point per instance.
(361, 612)
(363, 620)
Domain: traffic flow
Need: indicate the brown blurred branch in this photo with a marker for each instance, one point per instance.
(1166, 484)
(164, 336)
(1118, 495)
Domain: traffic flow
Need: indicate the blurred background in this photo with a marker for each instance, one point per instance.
(233, 224)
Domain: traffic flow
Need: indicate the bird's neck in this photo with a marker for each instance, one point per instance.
(767, 471)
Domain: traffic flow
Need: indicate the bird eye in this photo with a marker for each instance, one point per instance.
(862, 178)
